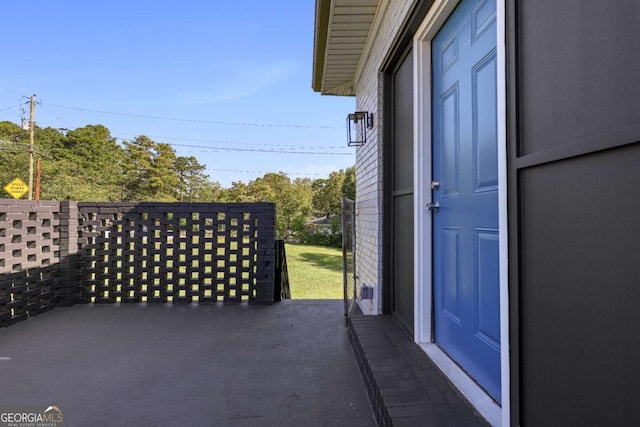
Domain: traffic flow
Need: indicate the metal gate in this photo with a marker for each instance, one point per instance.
(348, 255)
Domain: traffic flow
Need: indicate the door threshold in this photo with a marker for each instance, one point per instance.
(479, 399)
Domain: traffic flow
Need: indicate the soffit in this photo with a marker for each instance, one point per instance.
(341, 31)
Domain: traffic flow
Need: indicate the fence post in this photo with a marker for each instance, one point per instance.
(265, 255)
(69, 274)
(348, 256)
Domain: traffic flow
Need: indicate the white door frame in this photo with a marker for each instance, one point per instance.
(423, 327)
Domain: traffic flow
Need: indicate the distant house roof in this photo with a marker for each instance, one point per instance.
(324, 220)
(341, 31)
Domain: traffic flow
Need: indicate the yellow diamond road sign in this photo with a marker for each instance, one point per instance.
(16, 188)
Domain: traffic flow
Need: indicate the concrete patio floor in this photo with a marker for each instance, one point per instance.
(289, 364)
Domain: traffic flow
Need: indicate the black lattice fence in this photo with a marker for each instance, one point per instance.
(348, 254)
(63, 253)
(38, 268)
(173, 252)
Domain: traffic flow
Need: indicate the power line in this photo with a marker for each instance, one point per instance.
(264, 172)
(9, 108)
(58, 117)
(23, 147)
(213, 122)
(290, 149)
(158, 137)
(294, 148)
(13, 91)
(258, 150)
(262, 150)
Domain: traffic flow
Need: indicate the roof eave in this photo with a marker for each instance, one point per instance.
(321, 30)
(341, 33)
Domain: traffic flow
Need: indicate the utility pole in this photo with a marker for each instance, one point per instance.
(38, 174)
(32, 111)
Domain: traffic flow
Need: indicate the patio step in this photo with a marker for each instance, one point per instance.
(405, 388)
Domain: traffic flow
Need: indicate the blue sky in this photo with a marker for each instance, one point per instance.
(228, 82)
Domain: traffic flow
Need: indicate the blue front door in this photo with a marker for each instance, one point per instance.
(465, 175)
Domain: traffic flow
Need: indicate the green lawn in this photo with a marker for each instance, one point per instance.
(315, 272)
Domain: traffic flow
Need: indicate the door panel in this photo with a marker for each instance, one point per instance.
(488, 319)
(465, 164)
(485, 132)
(451, 152)
(451, 272)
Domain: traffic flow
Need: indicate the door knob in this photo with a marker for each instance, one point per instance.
(433, 207)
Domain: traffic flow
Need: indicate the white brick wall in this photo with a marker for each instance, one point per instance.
(369, 157)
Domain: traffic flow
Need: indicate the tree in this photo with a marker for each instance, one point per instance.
(192, 178)
(163, 176)
(274, 188)
(292, 199)
(301, 210)
(150, 171)
(86, 164)
(349, 183)
(269, 187)
(49, 142)
(14, 151)
(210, 191)
(238, 192)
(328, 194)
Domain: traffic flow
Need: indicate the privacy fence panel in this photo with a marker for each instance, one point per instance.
(63, 253)
(173, 252)
(38, 269)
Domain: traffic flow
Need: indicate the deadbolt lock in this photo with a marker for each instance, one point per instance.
(433, 207)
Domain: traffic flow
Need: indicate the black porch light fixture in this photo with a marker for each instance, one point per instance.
(357, 125)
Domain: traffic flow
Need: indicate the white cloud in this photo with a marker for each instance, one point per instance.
(238, 80)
